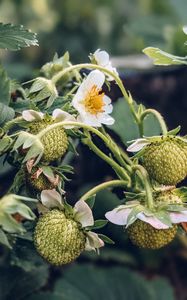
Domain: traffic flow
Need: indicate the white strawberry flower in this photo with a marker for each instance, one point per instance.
(120, 214)
(82, 213)
(102, 59)
(58, 115)
(92, 104)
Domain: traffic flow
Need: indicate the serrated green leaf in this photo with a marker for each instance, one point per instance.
(14, 37)
(4, 87)
(163, 58)
(6, 113)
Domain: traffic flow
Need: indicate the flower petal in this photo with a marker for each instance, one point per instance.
(118, 215)
(60, 116)
(51, 199)
(178, 217)
(32, 115)
(94, 78)
(153, 221)
(137, 145)
(93, 241)
(83, 214)
(89, 119)
(101, 57)
(106, 119)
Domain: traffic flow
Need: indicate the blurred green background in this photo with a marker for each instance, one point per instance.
(121, 27)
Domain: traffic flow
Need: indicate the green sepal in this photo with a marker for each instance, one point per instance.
(5, 144)
(132, 217)
(174, 131)
(98, 224)
(164, 217)
(4, 240)
(106, 239)
(91, 201)
(69, 210)
(47, 171)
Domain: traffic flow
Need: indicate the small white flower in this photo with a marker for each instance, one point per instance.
(58, 115)
(93, 105)
(102, 59)
(119, 216)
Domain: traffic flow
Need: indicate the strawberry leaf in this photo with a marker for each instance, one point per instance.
(15, 37)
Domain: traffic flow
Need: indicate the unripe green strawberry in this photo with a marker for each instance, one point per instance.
(167, 197)
(58, 239)
(144, 235)
(55, 141)
(166, 160)
(38, 184)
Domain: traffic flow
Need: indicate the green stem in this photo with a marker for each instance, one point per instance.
(119, 82)
(12, 123)
(122, 158)
(71, 123)
(85, 126)
(102, 186)
(142, 173)
(158, 117)
(117, 168)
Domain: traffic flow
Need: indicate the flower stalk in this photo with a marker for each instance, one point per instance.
(102, 186)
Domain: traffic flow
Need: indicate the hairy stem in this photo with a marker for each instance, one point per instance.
(142, 173)
(158, 117)
(8, 125)
(102, 186)
(117, 168)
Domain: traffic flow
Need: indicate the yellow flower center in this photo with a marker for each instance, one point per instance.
(93, 101)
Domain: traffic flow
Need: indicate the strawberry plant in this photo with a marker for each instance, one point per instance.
(49, 117)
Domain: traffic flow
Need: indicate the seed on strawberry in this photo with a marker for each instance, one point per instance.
(144, 235)
(55, 141)
(167, 197)
(58, 239)
(166, 160)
